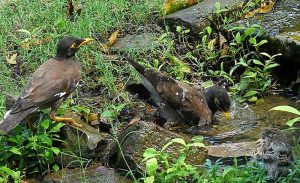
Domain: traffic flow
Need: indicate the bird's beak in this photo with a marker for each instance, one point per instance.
(85, 41)
(227, 115)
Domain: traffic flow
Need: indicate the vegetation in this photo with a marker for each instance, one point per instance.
(225, 54)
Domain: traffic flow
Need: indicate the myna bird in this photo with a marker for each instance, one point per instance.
(181, 102)
(49, 85)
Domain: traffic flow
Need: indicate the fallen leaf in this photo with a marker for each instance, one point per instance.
(112, 39)
(265, 7)
(28, 43)
(183, 67)
(12, 59)
(171, 6)
(134, 120)
(211, 44)
(222, 40)
(71, 9)
(149, 109)
(224, 51)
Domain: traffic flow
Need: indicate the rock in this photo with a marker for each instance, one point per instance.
(283, 33)
(196, 17)
(232, 150)
(93, 174)
(79, 143)
(140, 43)
(137, 138)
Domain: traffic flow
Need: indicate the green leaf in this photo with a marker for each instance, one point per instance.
(45, 139)
(226, 171)
(262, 42)
(48, 155)
(45, 124)
(270, 66)
(250, 93)
(286, 108)
(257, 62)
(55, 150)
(56, 128)
(149, 179)
(55, 167)
(176, 140)
(238, 38)
(151, 166)
(198, 139)
(209, 30)
(196, 144)
(218, 5)
(291, 122)
(252, 40)
(150, 152)
(15, 150)
(253, 99)
(249, 31)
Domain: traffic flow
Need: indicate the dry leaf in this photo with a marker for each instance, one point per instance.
(211, 44)
(111, 40)
(171, 6)
(224, 51)
(222, 40)
(266, 7)
(12, 59)
(134, 120)
(28, 43)
(71, 10)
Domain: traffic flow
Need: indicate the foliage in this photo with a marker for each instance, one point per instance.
(31, 152)
(290, 110)
(9, 175)
(161, 167)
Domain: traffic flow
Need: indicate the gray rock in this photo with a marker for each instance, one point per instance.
(93, 174)
(141, 43)
(137, 138)
(196, 17)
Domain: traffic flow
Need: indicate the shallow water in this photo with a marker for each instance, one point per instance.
(246, 123)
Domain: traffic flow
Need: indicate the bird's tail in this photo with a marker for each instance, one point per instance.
(11, 120)
(136, 65)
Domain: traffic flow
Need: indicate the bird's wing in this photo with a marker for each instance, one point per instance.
(40, 92)
(186, 99)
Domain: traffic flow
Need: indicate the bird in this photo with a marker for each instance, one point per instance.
(275, 153)
(181, 102)
(49, 86)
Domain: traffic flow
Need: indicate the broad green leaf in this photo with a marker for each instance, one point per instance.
(249, 31)
(150, 152)
(286, 108)
(151, 166)
(226, 171)
(15, 150)
(250, 93)
(56, 128)
(198, 139)
(291, 122)
(252, 40)
(149, 179)
(252, 99)
(45, 124)
(257, 62)
(55, 150)
(55, 167)
(196, 144)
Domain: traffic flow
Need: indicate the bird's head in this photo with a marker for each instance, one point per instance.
(217, 99)
(68, 46)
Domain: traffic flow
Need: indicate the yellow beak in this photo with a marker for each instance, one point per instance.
(86, 40)
(227, 115)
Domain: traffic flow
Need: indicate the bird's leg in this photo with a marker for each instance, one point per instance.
(70, 121)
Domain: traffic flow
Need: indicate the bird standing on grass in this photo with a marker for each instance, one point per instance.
(180, 102)
(49, 85)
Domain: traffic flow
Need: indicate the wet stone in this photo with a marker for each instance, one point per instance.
(93, 174)
(195, 17)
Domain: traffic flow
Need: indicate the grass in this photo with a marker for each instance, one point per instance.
(48, 19)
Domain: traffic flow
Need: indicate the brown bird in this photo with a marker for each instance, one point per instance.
(180, 102)
(49, 85)
(274, 152)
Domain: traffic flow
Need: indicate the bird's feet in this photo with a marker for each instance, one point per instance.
(69, 121)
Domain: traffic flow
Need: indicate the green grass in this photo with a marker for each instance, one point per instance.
(48, 18)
